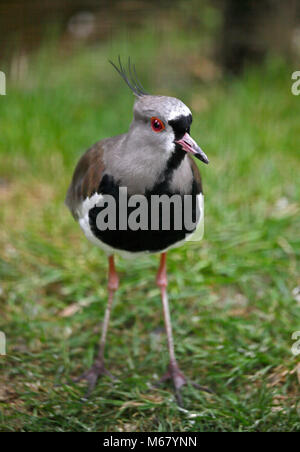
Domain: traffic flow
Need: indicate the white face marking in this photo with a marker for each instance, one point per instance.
(164, 107)
(180, 110)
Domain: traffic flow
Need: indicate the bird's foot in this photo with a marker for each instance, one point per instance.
(179, 379)
(92, 375)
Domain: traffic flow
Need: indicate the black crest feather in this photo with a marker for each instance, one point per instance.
(130, 78)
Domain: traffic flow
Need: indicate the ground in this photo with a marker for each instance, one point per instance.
(232, 301)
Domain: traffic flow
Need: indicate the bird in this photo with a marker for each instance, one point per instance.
(152, 160)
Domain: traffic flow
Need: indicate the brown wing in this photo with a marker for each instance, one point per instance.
(86, 177)
(196, 175)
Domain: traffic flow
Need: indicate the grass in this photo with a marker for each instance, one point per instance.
(231, 298)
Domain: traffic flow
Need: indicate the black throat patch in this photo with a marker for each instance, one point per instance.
(180, 126)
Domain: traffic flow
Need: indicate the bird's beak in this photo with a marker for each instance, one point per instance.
(189, 145)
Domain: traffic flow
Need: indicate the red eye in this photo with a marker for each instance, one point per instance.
(157, 125)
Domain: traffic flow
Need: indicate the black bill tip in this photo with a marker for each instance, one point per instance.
(202, 158)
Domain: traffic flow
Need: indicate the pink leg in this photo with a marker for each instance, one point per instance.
(174, 372)
(98, 369)
(113, 284)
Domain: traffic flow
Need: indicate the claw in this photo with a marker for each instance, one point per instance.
(179, 380)
(92, 376)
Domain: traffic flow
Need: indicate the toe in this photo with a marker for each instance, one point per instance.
(178, 398)
(201, 388)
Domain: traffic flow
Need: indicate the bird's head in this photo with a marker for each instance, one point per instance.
(160, 121)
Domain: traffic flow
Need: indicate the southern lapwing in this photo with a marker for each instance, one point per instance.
(152, 160)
